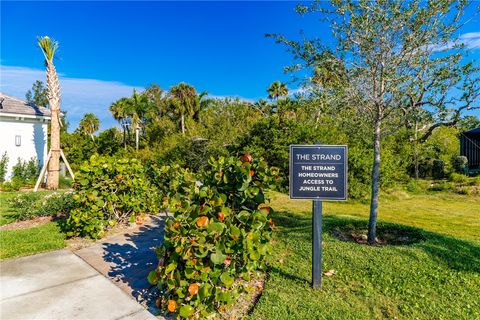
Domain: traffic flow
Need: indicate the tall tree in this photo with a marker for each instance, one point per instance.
(119, 113)
(89, 124)
(184, 101)
(38, 94)
(276, 90)
(49, 47)
(399, 57)
(156, 97)
(137, 109)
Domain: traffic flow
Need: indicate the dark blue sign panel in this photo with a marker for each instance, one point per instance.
(318, 172)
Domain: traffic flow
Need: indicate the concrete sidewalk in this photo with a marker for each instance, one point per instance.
(127, 258)
(60, 285)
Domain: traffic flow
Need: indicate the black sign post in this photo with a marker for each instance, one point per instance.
(318, 172)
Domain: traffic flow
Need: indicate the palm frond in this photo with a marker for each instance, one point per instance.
(48, 46)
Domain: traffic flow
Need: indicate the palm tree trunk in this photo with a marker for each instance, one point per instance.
(183, 123)
(136, 138)
(54, 102)
(372, 222)
(279, 112)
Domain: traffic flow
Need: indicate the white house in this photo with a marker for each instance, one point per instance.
(23, 131)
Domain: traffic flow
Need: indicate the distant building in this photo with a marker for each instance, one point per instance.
(470, 147)
(23, 131)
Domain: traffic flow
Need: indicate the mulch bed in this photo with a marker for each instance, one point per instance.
(26, 224)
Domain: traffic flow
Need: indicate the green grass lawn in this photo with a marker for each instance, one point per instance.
(437, 278)
(23, 242)
(6, 212)
(16, 243)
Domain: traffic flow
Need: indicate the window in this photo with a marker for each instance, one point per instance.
(18, 141)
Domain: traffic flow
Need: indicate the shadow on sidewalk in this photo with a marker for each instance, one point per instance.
(131, 257)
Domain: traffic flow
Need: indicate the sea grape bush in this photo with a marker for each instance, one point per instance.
(109, 191)
(219, 231)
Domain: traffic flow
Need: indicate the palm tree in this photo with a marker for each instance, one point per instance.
(137, 109)
(49, 47)
(201, 103)
(89, 124)
(118, 111)
(277, 89)
(184, 98)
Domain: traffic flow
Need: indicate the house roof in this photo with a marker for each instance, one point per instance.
(476, 130)
(12, 105)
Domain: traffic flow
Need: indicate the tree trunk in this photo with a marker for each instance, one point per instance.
(124, 137)
(415, 151)
(136, 138)
(54, 102)
(183, 123)
(279, 112)
(372, 222)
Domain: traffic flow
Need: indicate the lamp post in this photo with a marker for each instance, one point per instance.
(125, 123)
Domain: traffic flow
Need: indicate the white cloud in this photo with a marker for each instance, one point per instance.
(79, 95)
(471, 40)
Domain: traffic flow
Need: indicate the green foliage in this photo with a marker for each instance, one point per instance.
(438, 169)
(24, 173)
(109, 142)
(468, 123)
(3, 166)
(89, 124)
(460, 164)
(38, 94)
(109, 190)
(437, 278)
(445, 145)
(64, 182)
(219, 231)
(270, 139)
(78, 148)
(33, 204)
(13, 185)
(441, 185)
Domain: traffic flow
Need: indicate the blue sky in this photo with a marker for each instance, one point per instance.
(108, 48)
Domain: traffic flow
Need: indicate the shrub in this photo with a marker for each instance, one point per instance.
(441, 186)
(463, 190)
(416, 186)
(13, 185)
(438, 169)
(64, 182)
(109, 191)
(25, 172)
(3, 166)
(460, 164)
(32, 204)
(219, 231)
(458, 178)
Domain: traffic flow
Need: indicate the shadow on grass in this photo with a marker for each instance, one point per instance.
(272, 269)
(454, 253)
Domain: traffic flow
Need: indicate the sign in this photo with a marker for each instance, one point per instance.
(318, 172)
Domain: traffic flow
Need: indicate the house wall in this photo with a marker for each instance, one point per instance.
(33, 140)
(469, 147)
